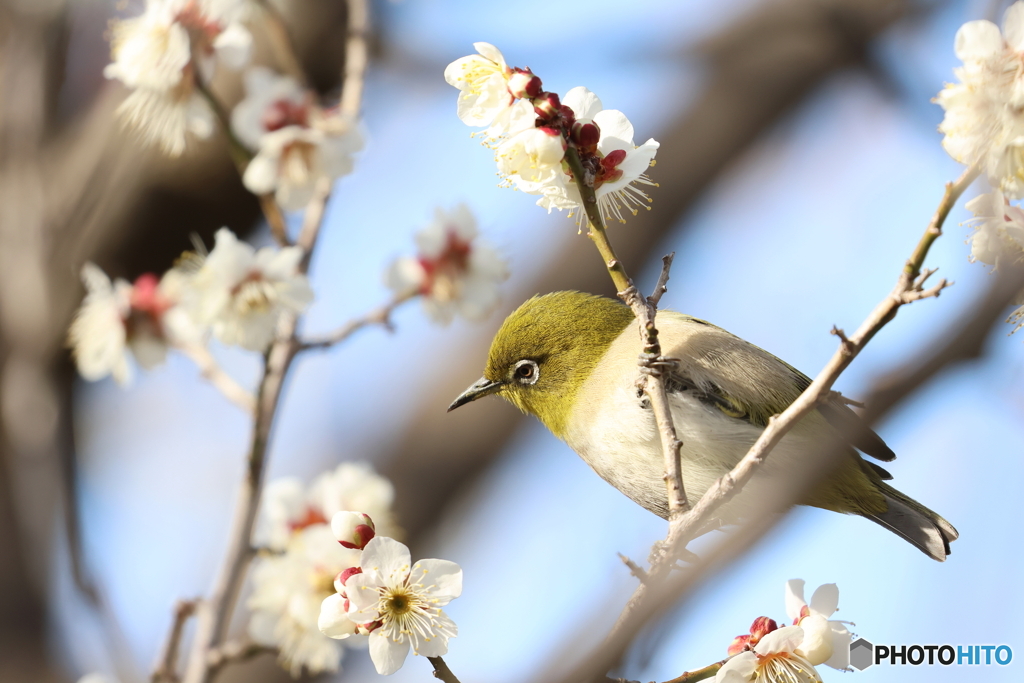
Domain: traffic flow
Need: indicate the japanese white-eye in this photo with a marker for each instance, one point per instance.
(570, 359)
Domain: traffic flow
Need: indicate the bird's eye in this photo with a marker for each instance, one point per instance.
(526, 372)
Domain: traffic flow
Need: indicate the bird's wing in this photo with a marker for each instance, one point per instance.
(747, 382)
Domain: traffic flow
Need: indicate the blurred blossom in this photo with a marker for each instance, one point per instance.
(775, 658)
(400, 605)
(984, 121)
(999, 229)
(455, 271)
(241, 293)
(297, 143)
(161, 53)
(116, 318)
(292, 579)
(825, 642)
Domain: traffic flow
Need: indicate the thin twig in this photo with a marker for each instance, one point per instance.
(441, 670)
(644, 309)
(167, 665)
(221, 380)
(378, 316)
(699, 674)
(666, 265)
(634, 569)
(684, 529)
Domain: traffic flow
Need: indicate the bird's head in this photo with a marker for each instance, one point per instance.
(544, 352)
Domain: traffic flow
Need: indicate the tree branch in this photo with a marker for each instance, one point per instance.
(226, 384)
(167, 664)
(378, 316)
(441, 670)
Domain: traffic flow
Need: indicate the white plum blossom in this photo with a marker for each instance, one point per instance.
(297, 143)
(483, 81)
(774, 658)
(984, 121)
(161, 53)
(455, 272)
(824, 641)
(288, 590)
(398, 602)
(117, 320)
(531, 159)
(999, 229)
(291, 581)
(241, 293)
(618, 165)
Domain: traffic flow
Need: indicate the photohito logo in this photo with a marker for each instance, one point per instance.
(864, 654)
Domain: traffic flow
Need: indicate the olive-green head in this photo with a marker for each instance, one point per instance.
(544, 352)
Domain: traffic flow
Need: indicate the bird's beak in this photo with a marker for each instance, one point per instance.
(479, 388)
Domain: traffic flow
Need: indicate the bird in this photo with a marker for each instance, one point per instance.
(570, 359)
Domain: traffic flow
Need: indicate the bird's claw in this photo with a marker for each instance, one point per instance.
(655, 366)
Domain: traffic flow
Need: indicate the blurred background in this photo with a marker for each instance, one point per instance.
(799, 164)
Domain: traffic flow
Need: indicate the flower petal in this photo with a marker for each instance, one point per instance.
(386, 561)
(977, 41)
(795, 598)
(333, 621)
(441, 580)
(739, 669)
(388, 656)
(825, 600)
(786, 639)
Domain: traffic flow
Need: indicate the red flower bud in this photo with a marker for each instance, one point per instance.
(586, 135)
(522, 83)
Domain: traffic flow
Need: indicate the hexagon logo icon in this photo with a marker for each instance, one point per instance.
(862, 654)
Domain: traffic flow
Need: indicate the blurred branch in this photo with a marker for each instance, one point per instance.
(167, 664)
(223, 382)
(378, 316)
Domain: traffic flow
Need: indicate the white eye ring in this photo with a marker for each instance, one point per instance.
(526, 372)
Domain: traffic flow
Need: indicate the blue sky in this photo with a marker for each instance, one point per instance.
(808, 230)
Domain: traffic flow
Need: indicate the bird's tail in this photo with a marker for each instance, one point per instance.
(907, 518)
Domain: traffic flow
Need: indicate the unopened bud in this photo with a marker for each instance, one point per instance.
(761, 627)
(367, 629)
(585, 135)
(343, 576)
(522, 83)
(547, 105)
(352, 529)
(739, 644)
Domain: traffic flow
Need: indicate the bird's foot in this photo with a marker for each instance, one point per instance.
(654, 365)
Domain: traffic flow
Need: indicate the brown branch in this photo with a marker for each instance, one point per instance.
(699, 674)
(441, 670)
(659, 289)
(356, 58)
(280, 40)
(378, 316)
(651, 362)
(235, 651)
(167, 664)
(634, 569)
(221, 380)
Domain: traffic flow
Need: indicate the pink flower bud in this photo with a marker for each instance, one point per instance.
(522, 83)
(761, 627)
(547, 105)
(586, 135)
(739, 644)
(343, 577)
(352, 529)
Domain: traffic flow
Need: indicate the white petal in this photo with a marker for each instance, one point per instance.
(387, 655)
(405, 275)
(386, 561)
(841, 639)
(233, 46)
(795, 598)
(333, 621)
(613, 123)
(363, 595)
(825, 600)
(584, 104)
(490, 52)
(785, 639)
(816, 645)
(977, 41)
(1013, 26)
(260, 175)
(739, 669)
(434, 646)
(441, 580)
